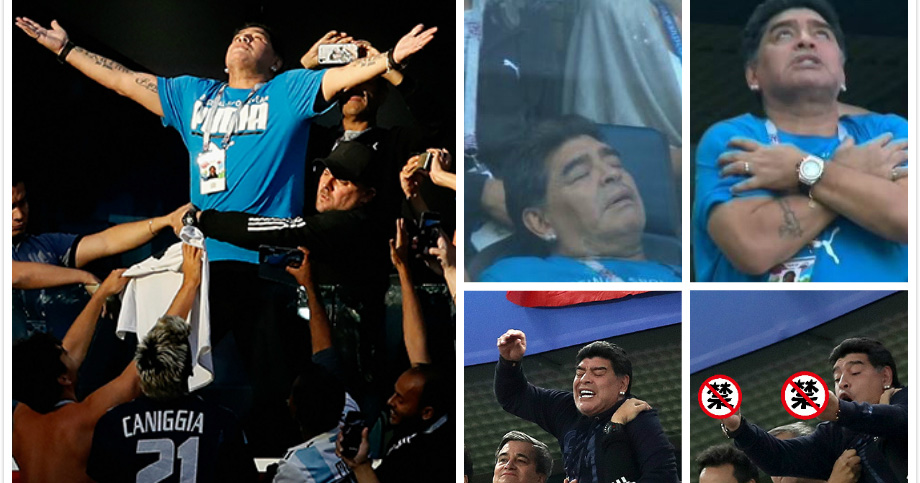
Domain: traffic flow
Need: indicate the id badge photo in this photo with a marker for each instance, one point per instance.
(794, 270)
(212, 170)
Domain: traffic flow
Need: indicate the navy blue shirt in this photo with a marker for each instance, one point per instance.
(640, 453)
(878, 432)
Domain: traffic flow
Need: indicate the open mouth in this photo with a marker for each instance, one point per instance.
(622, 198)
(845, 397)
(585, 394)
(807, 61)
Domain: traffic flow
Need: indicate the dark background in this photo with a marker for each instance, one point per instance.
(93, 158)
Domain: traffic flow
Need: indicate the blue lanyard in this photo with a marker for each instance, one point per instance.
(773, 133)
(671, 27)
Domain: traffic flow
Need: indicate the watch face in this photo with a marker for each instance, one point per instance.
(810, 168)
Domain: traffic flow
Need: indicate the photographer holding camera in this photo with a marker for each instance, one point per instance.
(420, 407)
(344, 237)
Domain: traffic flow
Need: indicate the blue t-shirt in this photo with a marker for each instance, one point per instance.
(565, 269)
(863, 256)
(51, 309)
(265, 161)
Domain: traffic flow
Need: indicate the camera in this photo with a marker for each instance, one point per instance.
(273, 261)
(351, 433)
(429, 230)
(424, 160)
(337, 54)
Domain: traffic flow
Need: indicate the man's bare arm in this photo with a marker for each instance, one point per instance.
(414, 333)
(320, 332)
(34, 275)
(191, 280)
(756, 234)
(80, 334)
(126, 236)
(137, 86)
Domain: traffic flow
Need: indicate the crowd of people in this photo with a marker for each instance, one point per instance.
(281, 215)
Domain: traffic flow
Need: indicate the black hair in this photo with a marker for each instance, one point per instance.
(437, 391)
(526, 187)
(757, 23)
(36, 368)
(878, 355)
(273, 38)
(318, 398)
(725, 454)
(544, 460)
(613, 353)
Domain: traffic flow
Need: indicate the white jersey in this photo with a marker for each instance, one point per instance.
(154, 284)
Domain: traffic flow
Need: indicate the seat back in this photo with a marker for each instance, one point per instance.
(645, 153)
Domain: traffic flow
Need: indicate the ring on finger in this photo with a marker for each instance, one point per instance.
(747, 167)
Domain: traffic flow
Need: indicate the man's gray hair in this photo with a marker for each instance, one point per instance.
(797, 429)
(163, 359)
(541, 451)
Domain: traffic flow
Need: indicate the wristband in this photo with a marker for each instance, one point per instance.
(391, 62)
(62, 56)
(150, 227)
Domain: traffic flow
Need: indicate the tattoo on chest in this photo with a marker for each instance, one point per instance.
(790, 227)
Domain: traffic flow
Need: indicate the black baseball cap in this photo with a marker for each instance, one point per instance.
(354, 161)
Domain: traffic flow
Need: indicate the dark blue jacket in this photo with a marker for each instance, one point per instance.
(641, 453)
(878, 432)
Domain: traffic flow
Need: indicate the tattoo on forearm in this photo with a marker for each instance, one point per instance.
(102, 61)
(147, 83)
(790, 227)
(369, 61)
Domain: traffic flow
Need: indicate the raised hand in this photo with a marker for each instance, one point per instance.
(113, 284)
(399, 247)
(512, 345)
(412, 42)
(191, 264)
(410, 177)
(302, 273)
(53, 39)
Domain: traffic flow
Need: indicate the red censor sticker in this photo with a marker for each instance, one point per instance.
(719, 397)
(804, 395)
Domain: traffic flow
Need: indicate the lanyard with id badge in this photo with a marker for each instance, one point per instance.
(212, 160)
(800, 269)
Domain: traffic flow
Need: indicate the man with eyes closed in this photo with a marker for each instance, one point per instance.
(577, 211)
(867, 414)
(605, 433)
